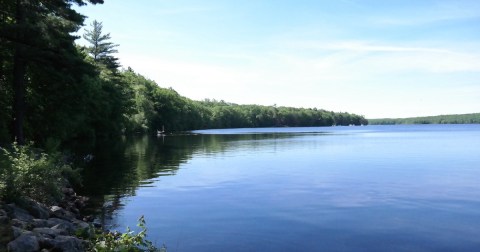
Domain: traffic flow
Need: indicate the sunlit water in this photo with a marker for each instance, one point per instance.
(371, 188)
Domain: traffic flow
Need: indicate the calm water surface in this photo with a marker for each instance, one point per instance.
(371, 188)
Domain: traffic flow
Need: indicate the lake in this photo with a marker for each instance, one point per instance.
(365, 188)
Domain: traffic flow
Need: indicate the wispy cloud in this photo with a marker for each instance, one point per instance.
(389, 57)
(362, 46)
(443, 11)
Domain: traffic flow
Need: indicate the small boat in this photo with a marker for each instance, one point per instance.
(161, 132)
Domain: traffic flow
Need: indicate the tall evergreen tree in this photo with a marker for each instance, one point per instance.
(37, 34)
(101, 49)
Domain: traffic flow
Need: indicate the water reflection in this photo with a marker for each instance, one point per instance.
(379, 189)
(120, 167)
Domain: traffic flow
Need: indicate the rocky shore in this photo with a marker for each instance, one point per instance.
(30, 226)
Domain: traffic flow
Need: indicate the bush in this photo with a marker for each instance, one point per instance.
(28, 172)
(128, 241)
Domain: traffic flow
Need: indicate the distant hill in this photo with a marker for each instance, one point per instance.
(440, 119)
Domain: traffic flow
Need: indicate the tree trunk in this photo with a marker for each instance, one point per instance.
(19, 70)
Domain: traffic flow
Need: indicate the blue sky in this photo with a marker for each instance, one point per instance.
(396, 58)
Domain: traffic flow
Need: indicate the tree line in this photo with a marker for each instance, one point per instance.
(440, 119)
(55, 92)
(157, 107)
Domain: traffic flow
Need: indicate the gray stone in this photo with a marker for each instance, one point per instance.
(24, 243)
(61, 213)
(50, 232)
(39, 223)
(18, 231)
(81, 224)
(68, 243)
(68, 191)
(61, 224)
(37, 210)
(21, 214)
(84, 228)
(46, 243)
(66, 228)
(19, 223)
(80, 202)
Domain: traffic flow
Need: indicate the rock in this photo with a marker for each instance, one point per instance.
(80, 202)
(19, 223)
(83, 229)
(46, 243)
(68, 243)
(81, 224)
(36, 209)
(6, 234)
(51, 229)
(50, 232)
(68, 191)
(4, 220)
(74, 210)
(20, 214)
(18, 231)
(61, 224)
(68, 229)
(40, 223)
(61, 213)
(24, 243)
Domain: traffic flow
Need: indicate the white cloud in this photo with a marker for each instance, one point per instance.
(387, 58)
(351, 76)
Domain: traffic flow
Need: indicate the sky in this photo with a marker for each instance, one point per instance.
(377, 58)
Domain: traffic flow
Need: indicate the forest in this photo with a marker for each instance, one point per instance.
(55, 92)
(440, 119)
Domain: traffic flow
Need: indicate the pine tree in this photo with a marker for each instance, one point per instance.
(38, 35)
(100, 48)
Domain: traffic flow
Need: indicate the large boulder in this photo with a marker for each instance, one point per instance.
(50, 232)
(36, 223)
(36, 209)
(61, 213)
(68, 243)
(61, 224)
(19, 213)
(20, 224)
(18, 231)
(24, 243)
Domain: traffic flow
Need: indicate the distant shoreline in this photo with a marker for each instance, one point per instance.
(472, 118)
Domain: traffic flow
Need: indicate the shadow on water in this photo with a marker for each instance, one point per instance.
(120, 167)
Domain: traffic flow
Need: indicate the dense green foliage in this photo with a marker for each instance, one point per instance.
(28, 172)
(441, 119)
(157, 107)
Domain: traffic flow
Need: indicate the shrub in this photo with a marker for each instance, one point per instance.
(28, 172)
(128, 241)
